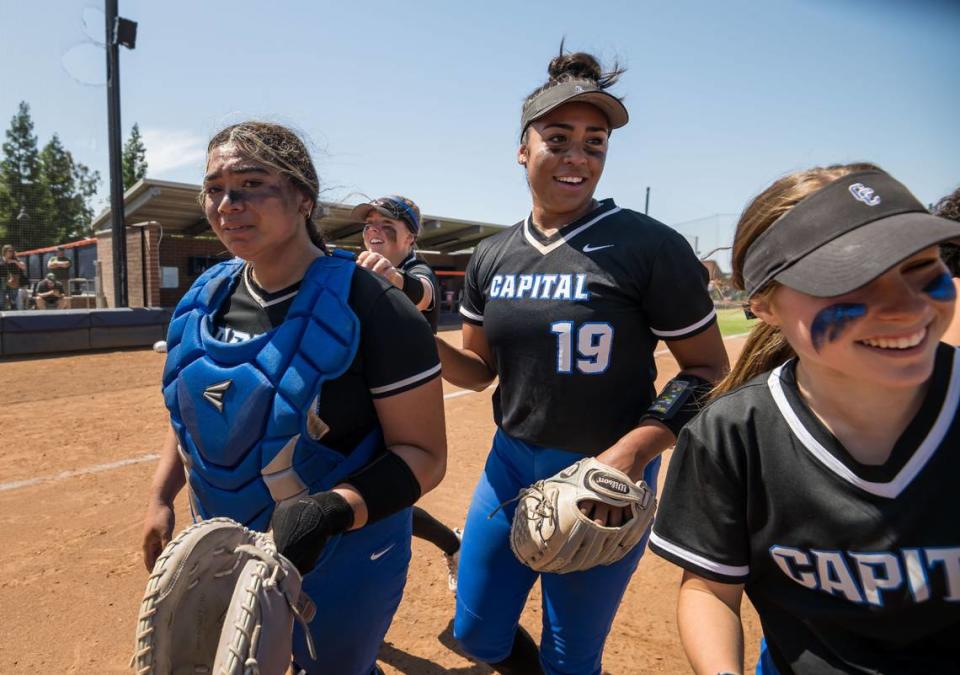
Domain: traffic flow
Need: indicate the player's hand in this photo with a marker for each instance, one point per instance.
(302, 527)
(604, 514)
(377, 264)
(157, 531)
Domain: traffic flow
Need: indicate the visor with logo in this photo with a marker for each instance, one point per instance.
(844, 236)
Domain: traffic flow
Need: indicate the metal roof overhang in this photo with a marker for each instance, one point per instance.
(175, 207)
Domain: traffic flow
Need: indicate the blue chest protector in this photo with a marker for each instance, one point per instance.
(241, 410)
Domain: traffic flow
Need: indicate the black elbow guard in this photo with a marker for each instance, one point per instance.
(679, 402)
(412, 288)
(387, 485)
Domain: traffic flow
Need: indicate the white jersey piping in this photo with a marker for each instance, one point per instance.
(910, 470)
(699, 560)
(470, 315)
(426, 374)
(689, 329)
(545, 249)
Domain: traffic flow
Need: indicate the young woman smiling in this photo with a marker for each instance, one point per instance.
(815, 482)
(566, 308)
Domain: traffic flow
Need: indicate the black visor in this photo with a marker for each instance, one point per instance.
(844, 236)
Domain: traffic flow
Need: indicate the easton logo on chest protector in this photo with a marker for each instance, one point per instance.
(214, 393)
(608, 482)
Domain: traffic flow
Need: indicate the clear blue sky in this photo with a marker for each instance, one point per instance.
(423, 98)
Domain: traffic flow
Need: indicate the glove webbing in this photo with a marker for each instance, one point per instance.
(251, 590)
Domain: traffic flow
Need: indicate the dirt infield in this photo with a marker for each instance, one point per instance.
(79, 444)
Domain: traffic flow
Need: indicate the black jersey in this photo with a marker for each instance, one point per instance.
(852, 568)
(384, 365)
(572, 321)
(417, 268)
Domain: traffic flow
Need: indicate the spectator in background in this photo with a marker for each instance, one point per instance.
(59, 265)
(13, 277)
(949, 207)
(49, 292)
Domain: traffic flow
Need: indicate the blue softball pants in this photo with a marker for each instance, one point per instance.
(492, 585)
(357, 588)
(765, 664)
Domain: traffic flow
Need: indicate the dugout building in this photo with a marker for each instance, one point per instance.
(169, 244)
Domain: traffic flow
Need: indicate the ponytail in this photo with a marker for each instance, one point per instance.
(764, 350)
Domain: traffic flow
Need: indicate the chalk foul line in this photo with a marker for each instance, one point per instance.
(64, 475)
(150, 457)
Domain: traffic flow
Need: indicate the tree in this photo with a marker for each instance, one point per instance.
(21, 190)
(44, 196)
(134, 158)
(68, 186)
(86, 182)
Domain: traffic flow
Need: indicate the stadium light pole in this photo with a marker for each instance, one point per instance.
(118, 31)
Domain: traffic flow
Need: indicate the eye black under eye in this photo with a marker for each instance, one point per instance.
(922, 264)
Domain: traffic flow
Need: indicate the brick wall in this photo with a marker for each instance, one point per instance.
(176, 251)
(142, 264)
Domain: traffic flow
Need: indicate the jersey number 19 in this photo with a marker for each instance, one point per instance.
(593, 346)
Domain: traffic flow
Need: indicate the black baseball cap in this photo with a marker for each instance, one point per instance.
(844, 236)
(395, 207)
(569, 91)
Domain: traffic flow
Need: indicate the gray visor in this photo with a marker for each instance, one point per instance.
(585, 91)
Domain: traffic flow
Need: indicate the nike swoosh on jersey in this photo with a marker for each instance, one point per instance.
(380, 554)
(587, 248)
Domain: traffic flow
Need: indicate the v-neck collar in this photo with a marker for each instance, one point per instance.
(263, 297)
(545, 244)
(908, 458)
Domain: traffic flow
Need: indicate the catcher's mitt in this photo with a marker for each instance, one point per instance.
(220, 600)
(549, 532)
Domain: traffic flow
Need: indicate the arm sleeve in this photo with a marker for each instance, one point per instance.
(398, 349)
(701, 521)
(421, 270)
(676, 300)
(471, 307)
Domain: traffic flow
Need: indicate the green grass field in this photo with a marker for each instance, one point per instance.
(732, 322)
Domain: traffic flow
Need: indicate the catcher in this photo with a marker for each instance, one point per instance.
(304, 395)
(567, 307)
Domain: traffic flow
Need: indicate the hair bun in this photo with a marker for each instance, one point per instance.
(575, 66)
(581, 66)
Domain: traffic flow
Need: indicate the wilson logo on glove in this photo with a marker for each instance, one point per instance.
(602, 480)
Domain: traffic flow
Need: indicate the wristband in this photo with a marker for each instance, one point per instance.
(387, 485)
(412, 288)
(679, 402)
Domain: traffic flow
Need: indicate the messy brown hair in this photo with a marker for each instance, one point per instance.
(281, 149)
(567, 66)
(766, 347)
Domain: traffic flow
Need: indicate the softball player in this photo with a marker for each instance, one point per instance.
(949, 207)
(566, 307)
(303, 393)
(391, 227)
(820, 485)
